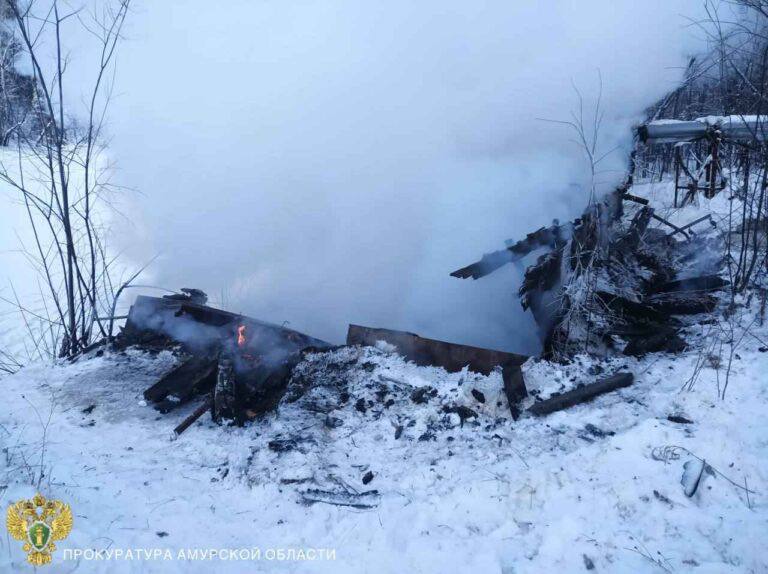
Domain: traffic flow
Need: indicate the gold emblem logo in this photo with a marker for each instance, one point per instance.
(39, 522)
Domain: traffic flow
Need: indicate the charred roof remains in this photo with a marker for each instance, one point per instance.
(609, 282)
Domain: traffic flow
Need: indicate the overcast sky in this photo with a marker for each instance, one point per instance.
(326, 163)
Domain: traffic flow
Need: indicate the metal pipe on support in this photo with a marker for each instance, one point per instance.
(734, 128)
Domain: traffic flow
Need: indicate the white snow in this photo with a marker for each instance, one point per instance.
(596, 486)
(493, 495)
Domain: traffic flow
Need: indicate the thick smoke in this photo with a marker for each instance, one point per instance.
(331, 162)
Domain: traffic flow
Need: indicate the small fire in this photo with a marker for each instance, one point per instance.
(241, 336)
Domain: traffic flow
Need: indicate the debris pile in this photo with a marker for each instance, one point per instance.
(450, 356)
(241, 364)
(340, 402)
(612, 283)
(618, 280)
(241, 368)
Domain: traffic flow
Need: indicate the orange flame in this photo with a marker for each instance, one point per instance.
(241, 336)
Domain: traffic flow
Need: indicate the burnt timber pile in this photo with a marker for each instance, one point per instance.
(450, 356)
(241, 364)
(608, 282)
(242, 367)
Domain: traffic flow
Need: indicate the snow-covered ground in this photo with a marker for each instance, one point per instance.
(597, 486)
(442, 478)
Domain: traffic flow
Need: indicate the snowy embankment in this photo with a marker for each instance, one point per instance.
(453, 483)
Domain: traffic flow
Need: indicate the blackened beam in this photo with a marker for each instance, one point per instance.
(670, 224)
(581, 394)
(692, 223)
(545, 237)
(636, 199)
(204, 407)
(450, 356)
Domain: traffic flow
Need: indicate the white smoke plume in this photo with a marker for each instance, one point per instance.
(323, 163)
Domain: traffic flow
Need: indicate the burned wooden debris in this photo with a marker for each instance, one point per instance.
(191, 378)
(682, 303)
(665, 340)
(430, 352)
(204, 407)
(365, 500)
(199, 328)
(240, 364)
(550, 237)
(450, 356)
(581, 394)
(692, 285)
(612, 284)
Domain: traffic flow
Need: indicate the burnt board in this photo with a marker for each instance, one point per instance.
(207, 330)
(450, 356)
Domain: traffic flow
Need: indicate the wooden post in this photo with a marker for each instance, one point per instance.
(712, 171)
(677, 173)
(224, 393)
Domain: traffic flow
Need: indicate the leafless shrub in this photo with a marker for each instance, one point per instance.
(577, 304)
(61, 178)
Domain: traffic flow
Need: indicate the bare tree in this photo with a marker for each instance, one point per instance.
(587, 244)
(60, 175)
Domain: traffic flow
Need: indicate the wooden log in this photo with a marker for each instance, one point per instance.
(194, 376)
(196, 414)
(581, 394)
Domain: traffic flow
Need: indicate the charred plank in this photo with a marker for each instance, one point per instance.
(636, 199)
(196, 414)
(581, 394)
(430, 352)
(194, 376)
(552, 237)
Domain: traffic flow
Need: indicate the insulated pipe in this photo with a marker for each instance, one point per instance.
(736, 128)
